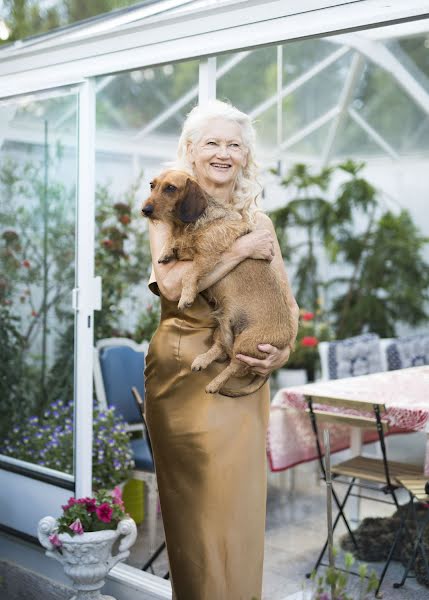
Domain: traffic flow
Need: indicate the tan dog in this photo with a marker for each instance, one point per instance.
(251, 301)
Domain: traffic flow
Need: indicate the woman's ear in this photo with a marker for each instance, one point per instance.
(190, 152)
(192, 204)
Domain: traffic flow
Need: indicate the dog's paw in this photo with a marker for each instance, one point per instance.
(199, 364)
(212, 388)
(186, 303)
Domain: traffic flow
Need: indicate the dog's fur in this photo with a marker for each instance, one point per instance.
(251, 301)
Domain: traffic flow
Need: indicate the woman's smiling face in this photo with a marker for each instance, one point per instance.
(219, 154)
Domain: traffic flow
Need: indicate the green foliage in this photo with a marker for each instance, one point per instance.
(386, 279)
(25, 18)
(335, 584)
(37, 255)
(11, 367)
(122, 258)
(48, 441)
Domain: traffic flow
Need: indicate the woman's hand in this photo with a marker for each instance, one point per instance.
(258, 244)
(275, 359)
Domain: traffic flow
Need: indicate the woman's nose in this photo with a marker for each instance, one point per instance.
(223, 150)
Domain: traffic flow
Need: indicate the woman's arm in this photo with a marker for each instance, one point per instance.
(258, 244)
(276, 358)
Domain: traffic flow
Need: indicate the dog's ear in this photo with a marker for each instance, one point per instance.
(192, 204)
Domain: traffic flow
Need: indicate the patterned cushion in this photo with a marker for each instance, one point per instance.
(354, 356)
(409, 351)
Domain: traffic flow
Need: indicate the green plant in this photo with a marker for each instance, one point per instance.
(382, 277)
(313, 328)
(335, 583)
(122, 258)
(48, 441)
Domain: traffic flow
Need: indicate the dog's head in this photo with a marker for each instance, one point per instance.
(175, 197)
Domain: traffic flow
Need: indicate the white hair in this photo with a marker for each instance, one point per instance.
(246, 188)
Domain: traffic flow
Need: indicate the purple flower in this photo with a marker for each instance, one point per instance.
(55, 540)
(76, 526)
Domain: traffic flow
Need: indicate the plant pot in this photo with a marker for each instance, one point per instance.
(87, 558)
(291, 377)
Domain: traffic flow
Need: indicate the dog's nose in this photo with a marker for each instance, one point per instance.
(147, 210)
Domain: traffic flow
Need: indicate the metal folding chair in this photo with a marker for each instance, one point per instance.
(415, 487)
(375, 474)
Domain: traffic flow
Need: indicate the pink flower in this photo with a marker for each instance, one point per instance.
(308, 316)
(26, 263)
(69, 504)
(76, 526)
(310, 341)
(55, 540)
(104, 512)
(117, 497)
(91, 505)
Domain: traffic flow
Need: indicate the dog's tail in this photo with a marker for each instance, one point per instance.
(256, 383)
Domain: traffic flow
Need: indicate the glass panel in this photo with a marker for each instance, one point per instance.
(402, 121)
(145, 109)
(38, 169)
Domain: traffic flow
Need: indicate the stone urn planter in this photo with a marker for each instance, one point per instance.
(87, 558)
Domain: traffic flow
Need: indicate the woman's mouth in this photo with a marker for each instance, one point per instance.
(220, 166)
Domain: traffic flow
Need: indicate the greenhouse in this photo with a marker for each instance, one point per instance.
(90, 113)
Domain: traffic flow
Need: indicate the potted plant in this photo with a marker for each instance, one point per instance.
(313, 328)
(81, 539)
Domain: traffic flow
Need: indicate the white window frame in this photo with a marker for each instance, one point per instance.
(240, 26)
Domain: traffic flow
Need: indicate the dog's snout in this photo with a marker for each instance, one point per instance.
(147, 210)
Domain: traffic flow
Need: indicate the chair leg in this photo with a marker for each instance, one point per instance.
(392, 550)
(337, 518)
(418, 544)
(151, 511)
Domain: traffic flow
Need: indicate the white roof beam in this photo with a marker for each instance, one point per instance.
(346, 97)
(313, 126)
(378, 139)
(188, 97)
(381, 56)
(298, 82)
(101, 85)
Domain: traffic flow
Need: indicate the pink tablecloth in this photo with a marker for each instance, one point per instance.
(405, 393)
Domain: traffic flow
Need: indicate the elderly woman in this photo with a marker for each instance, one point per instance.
(209, 449)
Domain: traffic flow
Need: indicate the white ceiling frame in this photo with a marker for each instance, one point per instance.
(188, 97)
(346, 96)
(233, 28)
(298, 82)
(313, 126)
(101, 85)
(378, 139)
(381, 56)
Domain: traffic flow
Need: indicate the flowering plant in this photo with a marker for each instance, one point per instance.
(48, 441)
(82, 515)
(313, 328)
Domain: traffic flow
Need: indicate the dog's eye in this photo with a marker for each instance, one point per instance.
(152, 185)
(170, 188)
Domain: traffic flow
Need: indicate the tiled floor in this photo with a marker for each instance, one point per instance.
(295, 532)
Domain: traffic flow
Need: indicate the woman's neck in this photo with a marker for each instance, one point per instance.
(219, 192)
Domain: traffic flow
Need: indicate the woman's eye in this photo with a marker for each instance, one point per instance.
(235, 145)
(211, 143)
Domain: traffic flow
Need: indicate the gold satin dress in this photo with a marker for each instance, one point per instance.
(209, 453)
